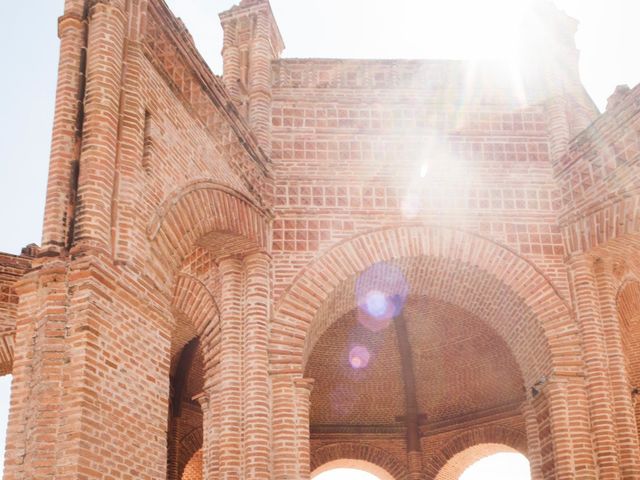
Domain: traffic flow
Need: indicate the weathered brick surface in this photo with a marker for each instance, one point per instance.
(12, 268)
(192, 309)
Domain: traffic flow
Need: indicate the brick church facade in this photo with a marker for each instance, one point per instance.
(401, 266)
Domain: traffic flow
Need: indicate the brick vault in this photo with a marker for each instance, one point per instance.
(400, 265)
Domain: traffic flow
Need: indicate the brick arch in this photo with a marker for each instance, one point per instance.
(502, 268)
(7, 339)
(207, 214)
(628, 302)
(193, 469)
(360, 452)
(602, 227)
(479, 442)
(191, 445)
(193, 300)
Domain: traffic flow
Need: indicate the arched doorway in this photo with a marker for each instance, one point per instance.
(467, 336)
(499, 466)
(5, 397)
(628, 306)
(480, 461)
(350, 469)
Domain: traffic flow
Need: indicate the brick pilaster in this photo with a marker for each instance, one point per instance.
(303, 388)
(533, 441)
(231, 60)
(260, 82)
(210, 431)
(290, 439)
(583, 285)
(65, 142)
(624, 416)
(128, 240)
(563, 428)
(230, 439)
(105, 50)
(256, 366)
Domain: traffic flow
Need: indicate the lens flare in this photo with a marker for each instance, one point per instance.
(376, 303)
(359, 357)
(381, 291)
(342, 400)
(410, 206)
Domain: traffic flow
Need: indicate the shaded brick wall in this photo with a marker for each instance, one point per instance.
(12, 268)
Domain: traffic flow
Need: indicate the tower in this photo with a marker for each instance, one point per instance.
(252, 41)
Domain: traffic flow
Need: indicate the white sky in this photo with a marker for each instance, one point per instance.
(608, 40)
(346, 474)
(501, 466)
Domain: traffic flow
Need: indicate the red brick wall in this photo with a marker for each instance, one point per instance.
(599, 178)
(351, 137)
(12, 268)
(166, 218)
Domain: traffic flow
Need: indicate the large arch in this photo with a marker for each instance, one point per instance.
(207, 214)
(194, 348)
(193, 300)
(495, 438)
(505, 289)
(354, 455)
(615, 220)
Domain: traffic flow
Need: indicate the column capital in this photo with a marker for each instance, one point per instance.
(304, 385)
(229, 263)
(257, 254)
(69, 21)
(579, 259)
(203, 399)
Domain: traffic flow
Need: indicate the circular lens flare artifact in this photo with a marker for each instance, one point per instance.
(359, 357)
(381, 292)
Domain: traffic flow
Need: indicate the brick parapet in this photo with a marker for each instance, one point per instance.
(206, 94)
(598, 178)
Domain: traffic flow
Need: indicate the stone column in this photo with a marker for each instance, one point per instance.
(256, 367)
(230, 440)
(624, 413)
(583, 285)
(107, 24)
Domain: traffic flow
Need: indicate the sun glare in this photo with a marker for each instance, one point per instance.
(501, 466)
(345, 474)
